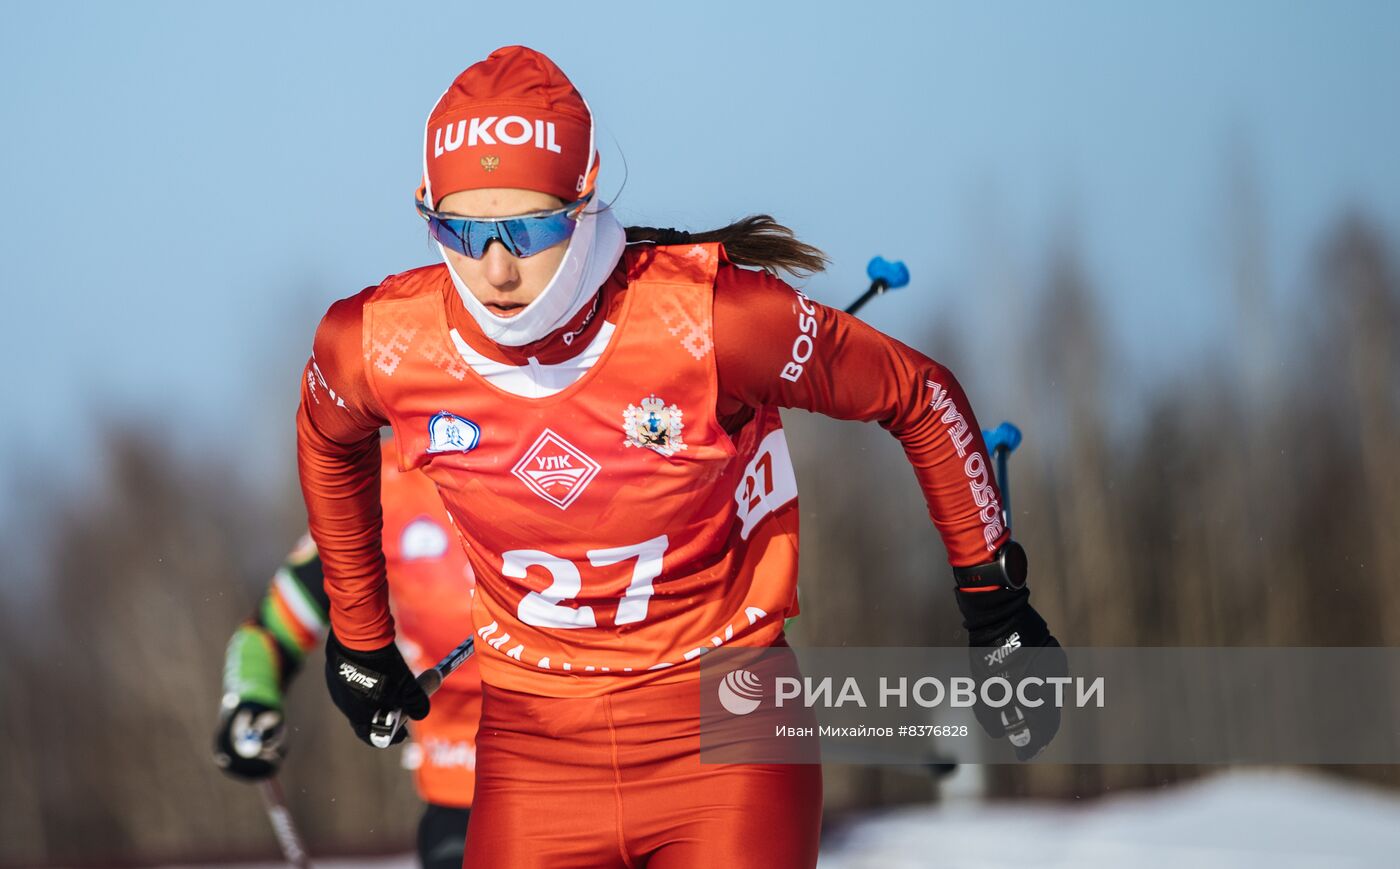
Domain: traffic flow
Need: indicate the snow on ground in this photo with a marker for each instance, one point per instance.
(1237, 820)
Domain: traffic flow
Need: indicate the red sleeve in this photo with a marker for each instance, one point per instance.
(774, 346)
(338, 458)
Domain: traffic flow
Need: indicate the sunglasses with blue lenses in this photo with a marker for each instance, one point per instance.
(522, 235)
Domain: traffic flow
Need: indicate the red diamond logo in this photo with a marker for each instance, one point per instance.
(556, 470)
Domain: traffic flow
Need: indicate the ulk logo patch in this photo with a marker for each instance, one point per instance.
(556, 470)
(449, 433)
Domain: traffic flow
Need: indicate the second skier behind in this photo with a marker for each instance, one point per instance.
(432, 583)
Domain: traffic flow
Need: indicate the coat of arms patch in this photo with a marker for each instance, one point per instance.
(655, 425)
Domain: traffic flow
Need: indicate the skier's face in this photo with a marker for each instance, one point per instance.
(504, 283)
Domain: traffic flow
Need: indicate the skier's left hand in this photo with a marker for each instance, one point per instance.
(1008, 638)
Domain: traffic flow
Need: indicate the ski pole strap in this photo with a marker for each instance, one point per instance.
(386, 723)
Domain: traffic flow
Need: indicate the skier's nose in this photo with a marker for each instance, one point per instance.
(499, 266)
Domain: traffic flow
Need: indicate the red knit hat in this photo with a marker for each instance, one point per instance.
(511, 120)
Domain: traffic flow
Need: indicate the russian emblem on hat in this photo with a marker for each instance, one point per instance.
(450, 433)
(655, 425)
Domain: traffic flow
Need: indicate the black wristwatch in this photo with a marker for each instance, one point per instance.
(1007, 570)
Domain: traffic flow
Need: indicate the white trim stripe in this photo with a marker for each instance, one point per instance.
(535, 379)
(295, 597)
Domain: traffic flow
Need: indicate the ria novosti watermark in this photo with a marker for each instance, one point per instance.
(741, 691)
(1118, 705)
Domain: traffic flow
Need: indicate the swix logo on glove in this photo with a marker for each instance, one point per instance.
(508, 130)
(356, 678)
(999, 655)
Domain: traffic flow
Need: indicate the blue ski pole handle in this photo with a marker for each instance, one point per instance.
(1001, 442)
(892, 274)
(884, 275)
(386, 723)
(1005, 436)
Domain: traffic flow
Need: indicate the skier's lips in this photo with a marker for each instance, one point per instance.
(504, 309)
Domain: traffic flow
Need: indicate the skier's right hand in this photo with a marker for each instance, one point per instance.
(248, 744)
(363, 683)
(1008, 639)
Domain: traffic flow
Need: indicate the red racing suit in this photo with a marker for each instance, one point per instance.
(763, 345)
(618, 527)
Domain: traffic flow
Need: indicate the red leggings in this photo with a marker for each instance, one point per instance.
(616, 781)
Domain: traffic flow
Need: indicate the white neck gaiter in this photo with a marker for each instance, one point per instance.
(590, 258)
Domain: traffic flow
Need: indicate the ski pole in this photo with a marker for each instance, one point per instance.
(1002, 441)
(884, 275)
(385, 724)
(287, 836)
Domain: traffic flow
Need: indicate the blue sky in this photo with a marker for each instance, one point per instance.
(186, 186)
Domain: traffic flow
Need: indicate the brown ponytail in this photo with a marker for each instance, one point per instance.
(758, 240)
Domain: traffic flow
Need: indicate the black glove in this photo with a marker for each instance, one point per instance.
(362, 683)
(1008, 638)
(248, 743)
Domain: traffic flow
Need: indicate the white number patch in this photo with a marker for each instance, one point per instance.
(542, 608)
(545, 609)
(768, 482)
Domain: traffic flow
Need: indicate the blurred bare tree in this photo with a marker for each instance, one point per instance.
(1253, 500)
(108, 709)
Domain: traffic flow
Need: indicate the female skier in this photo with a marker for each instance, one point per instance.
(431, 583)
(599, 409)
